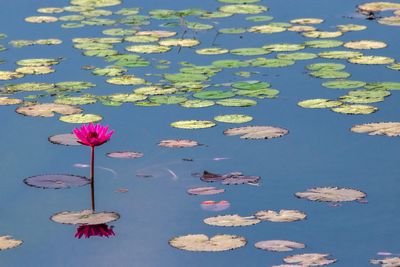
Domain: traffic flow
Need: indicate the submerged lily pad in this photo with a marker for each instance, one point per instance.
(86, 217)
(81, 118)
(231, 220)
(68, 139)
(193, 124)
(257, 132)
(391, 129)
(281, 216)
(278, 245)
(178, 143)
(48, 110)
(309, 259)
(209, 190)
(233, 118)
(331, 194)
(202, 243)
(8, 242)
(56, 181)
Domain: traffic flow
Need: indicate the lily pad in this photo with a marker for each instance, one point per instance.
(233, 178)
(65, 139)
(249, 51)
(387, 262)
(48, 110)
(243, 9)
(391, 129)
(297, 56)
(197, 103)
(85, 217)
(251, 85)
(322, 34)
(237, 102)
(125, 155)
(371, 60)
(323, 43)
(38, 62)
(148, 49)
(202, 243)
(307, 21)
(81, 118)
(56, 181)
(41, 19)
(209, 190)
(193, 124)
(278, 245)
(8, 242)
(126, 80)
(365, 44)
(355, 109)
(233, 118)
(231, 220)
(281, 216)
(35, 70)
(343, 84)
(9, 101)
(319, 103)
(309, 259)
(351, 27)
(213, 94)
(257, 132)
(178, 143)
(339, 54)
(212, 51)
(267, 29)
(331, 194)
(10, 75)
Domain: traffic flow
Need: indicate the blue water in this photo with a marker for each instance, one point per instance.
(319, 151)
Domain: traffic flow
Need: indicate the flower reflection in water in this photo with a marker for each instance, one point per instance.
(101, 230)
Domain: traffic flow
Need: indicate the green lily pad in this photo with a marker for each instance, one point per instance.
(28, 87)
(232, 30)
(371, 60)
(34, 70)
(236, 102)
(109, 71)
(81, 118)
(339, 54)
(185, 77)
(307, 21)
(383, 86)
(343, 84)
(319, 103)
(197, 103)
(212, 51)
(284, 47)
(126, 80)
(330, 74)
(193, 124)
(259, 18)
(267, 29)
(230, 63)
(38, 62)
(271, 62)
(355, 109)
(322, 34)
(251, 85)
(122, 98)
(243, 9)
(297, 56)
(233, 118)
(325, 66)
(351, 27)
(10, 75)
(213, 94)
(168, 99)
(154, 90)
(148, 49)
(323, 43)
(249, 51)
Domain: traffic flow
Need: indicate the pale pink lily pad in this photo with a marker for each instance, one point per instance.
(209, 190)
(125, 155)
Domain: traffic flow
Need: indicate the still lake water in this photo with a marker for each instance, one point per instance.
(319, 151)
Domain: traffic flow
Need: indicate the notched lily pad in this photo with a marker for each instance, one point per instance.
(391, 129)
(281, 216)
(48, 110)
(257, 132)
(278, 245)
(86, 217)
(8, 242)
(202, 243)
(81, 118)
(67, 139)
(331, 194)
(56, 181)
(231, 220)
(193, 124)
(309, 259)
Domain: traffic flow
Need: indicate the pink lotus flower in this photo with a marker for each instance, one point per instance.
(93, 135)
(94, 230)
